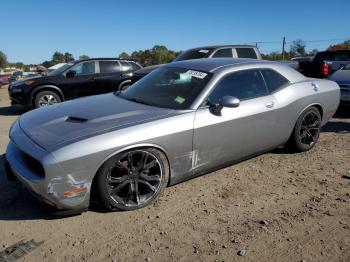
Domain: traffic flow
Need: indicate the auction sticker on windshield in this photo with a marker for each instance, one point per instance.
(196, 74)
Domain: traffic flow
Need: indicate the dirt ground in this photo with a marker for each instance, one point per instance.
(275, 207)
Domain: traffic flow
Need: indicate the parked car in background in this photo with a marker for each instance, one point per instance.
(54, 67)
(342, 77)
(302, 58)
(4, 79)
(228, 51)
(325, 63)
(30, 74)
(15, 76)
(185, 119)
(231, 51)
(73, 80)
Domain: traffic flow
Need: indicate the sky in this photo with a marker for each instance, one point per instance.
(31, 31)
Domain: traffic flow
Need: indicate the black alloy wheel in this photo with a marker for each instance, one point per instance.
(309, 129)
(133, 179)
(306, 130)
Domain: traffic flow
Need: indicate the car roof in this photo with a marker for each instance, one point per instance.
(221, 46)
(218, 65)
(342, 51)
(213, 64)
(105, 58)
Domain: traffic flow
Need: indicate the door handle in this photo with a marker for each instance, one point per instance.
(270, 104)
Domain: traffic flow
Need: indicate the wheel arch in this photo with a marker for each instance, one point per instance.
(319, 108)
(131, 147)
(40, 88)
(123, 83)
(317, 105)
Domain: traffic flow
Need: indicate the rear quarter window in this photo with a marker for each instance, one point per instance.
(273, 80)
(109, 66)
(134, 66)
(225, 52)
(332, 56)
(246, 53)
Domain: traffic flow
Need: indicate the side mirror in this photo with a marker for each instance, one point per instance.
(227, 101)
(71, 74)
(230, 101)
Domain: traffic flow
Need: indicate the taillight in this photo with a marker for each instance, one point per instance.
(325, 69)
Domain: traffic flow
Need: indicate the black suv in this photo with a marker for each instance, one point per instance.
(73, 80)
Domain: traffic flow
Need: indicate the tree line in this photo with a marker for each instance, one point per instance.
(298, 49)
(159, 54)
(59, 57)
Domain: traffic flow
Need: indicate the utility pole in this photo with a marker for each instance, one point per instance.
(283, 45)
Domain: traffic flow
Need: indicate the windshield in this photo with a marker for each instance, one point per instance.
(194, 54)
(60, 70)
(168, 87)
(347, 67)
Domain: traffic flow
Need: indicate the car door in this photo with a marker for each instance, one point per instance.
(109, 76)
(78, 80)
(234, 133)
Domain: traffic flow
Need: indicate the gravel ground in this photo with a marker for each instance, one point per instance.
(275, 207)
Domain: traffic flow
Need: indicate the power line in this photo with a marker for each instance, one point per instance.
(324, 40)
(306, 41)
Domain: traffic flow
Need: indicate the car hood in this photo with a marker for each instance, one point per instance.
(58, 125)
(38, 80)
(341, 76)
(20, 82)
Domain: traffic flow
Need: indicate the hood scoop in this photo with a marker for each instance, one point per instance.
(56, 126)
(73, 119)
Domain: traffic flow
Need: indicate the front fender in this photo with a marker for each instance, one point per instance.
(130, 147)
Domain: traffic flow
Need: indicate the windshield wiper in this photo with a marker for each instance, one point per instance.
(136, 100)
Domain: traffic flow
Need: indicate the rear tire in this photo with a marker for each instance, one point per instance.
(132, 179)
(306, 130)
(46, 98)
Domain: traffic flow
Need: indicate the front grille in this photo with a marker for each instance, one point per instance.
(32, 164)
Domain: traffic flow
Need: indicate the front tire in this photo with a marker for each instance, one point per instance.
(46, 98)
(306, 130)
(124, 87)
(132, 179)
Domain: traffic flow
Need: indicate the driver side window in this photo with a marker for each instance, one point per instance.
(85, 68)
(244, 85)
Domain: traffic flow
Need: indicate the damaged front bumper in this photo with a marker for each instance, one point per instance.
(53, 185)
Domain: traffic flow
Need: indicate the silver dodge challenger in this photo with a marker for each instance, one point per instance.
(183, 120)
